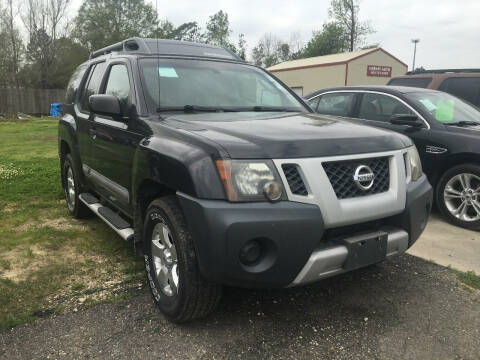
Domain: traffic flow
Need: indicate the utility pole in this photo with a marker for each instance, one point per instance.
(415, 42)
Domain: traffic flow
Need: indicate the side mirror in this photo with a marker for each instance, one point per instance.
(105, 105)
(406, 119)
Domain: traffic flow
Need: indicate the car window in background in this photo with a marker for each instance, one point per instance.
(118, 85)
(444, 107)
(464, 87)
(314, 103)
(92, 86)
(422, 82)
(338, 104)
(380, 107)
(74, 83)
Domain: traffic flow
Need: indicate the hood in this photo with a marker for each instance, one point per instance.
(257, 135)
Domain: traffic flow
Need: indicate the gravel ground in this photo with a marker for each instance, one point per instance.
(405, 308)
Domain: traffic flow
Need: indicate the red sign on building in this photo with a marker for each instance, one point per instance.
(379, 71)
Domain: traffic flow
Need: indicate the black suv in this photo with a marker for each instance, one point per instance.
(445, 129)
(225, 176)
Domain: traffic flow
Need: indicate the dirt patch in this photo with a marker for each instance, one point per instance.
(8, 208)
(60, 223)
(44, 138)
(22, 262)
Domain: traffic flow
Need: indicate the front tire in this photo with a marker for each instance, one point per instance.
(458, 196)
(71, 187)
(177, 286)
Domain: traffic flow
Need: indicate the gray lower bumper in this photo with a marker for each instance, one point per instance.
(324, 263)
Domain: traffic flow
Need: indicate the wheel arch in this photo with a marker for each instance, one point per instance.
(452, 161)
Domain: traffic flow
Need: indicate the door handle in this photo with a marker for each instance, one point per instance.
(93, 132)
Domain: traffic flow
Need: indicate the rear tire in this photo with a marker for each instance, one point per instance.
(72, 189)
(458, 196)
(177, 286)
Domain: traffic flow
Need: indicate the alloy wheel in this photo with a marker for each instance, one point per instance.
(70, 191)
(165, 259)
(462, 197)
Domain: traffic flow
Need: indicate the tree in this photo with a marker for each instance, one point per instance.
(189, 31)
(330, 40)
(12, 46)
(345, 13)
(45, 21)
(218, 30)
(270, 51)
(241, 47)
(69, 54)
(104, 22)
(40, 52)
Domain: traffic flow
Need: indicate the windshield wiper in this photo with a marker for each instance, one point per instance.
(464, 123)
(272, 109)
(193, 108)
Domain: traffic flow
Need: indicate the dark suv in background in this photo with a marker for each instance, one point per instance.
(463, 83)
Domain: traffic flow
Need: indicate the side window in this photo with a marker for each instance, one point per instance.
(465, 88)
(118, 85)
(74, 83)
(92, 87)
(338, 104)
(380, 107)
(314, 103)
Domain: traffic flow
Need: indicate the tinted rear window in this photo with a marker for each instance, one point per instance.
(413, 82)
(464, 88)
(74, 83)
(93, 84)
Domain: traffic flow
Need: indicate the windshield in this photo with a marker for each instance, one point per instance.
(445, 108)
(212, 85)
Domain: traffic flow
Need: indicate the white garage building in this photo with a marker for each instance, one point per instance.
(365, 67)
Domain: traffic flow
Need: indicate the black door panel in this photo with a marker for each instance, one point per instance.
(115, 139)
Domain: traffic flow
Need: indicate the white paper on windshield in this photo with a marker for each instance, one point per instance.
(428, 104)
(167, 72)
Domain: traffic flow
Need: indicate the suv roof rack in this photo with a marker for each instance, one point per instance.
(167, 47)
(443, 71)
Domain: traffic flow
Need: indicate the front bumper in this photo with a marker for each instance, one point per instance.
(298, 248)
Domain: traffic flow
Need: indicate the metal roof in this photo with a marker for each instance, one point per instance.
(333, 59)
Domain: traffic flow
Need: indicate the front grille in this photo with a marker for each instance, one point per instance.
(294, 179)
(340, 174)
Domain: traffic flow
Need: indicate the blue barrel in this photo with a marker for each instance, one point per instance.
(56, 109)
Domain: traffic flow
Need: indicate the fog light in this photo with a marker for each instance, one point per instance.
(250, 253)
(272, 190)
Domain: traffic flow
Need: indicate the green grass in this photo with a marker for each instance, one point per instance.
(469, 278)
(48, 259)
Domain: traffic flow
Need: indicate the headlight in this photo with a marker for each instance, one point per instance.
(415, 164)
(250, 180)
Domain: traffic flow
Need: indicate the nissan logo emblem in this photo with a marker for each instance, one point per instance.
(364, 177)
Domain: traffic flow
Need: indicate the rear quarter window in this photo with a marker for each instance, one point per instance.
(92, 86)
(74, 83)
(465, 88)
(412, 82)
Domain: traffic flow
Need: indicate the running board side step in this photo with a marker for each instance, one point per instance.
(112, 219)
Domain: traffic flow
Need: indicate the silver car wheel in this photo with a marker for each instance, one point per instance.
(462, 197)
(70, 191)
(165, 260)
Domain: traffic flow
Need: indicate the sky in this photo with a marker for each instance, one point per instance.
(448, 30)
